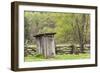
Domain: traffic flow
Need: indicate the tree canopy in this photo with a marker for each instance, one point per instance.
(70, 28)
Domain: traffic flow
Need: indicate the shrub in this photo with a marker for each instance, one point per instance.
(39, 56)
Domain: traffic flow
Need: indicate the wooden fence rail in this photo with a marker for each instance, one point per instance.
(60, 49)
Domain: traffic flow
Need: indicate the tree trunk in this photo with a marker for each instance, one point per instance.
(80, 31)
(81, 47)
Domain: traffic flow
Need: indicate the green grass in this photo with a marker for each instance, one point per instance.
(57, 57)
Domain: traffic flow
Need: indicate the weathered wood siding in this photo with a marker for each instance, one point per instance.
(46, 45)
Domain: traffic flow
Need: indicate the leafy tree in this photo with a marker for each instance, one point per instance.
(70, 28)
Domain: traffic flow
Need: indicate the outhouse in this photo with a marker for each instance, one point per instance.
(46, 44)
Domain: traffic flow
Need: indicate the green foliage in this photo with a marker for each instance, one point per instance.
(69, 27)
(39, 56)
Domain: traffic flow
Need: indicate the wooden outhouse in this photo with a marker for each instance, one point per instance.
(46, 44)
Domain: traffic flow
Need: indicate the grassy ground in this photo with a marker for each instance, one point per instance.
(57, 57)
